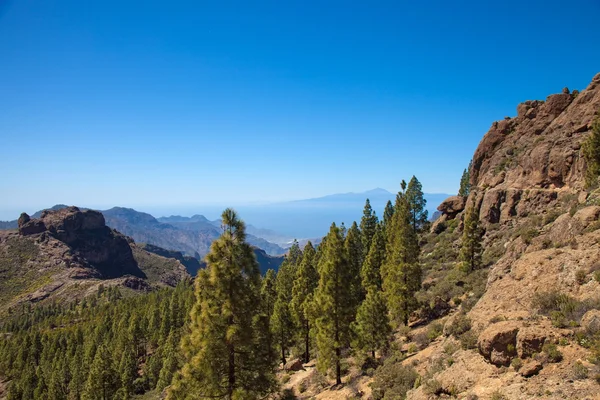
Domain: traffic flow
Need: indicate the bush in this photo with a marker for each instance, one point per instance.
(434, 331)
(581, 276)
(468, 340)
(497, 396)
(516, 363)
(580, 371)
(564, 311)
(459, 325)
(393, 380)
(552, 352)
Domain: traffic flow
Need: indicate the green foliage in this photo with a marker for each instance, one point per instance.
(516, 363)
(393, 380)
(459, 325)
(470, 252)
(368, 225)
(370, 272)
(401, 272)
(372, 326)
(465, 182)
(224, 353)
(354, 258)
(283, 325)
(416, 204)
(564, 310)
(84, 349)
(334, 303)
(591, 153)
(307, 280)
(552, 352)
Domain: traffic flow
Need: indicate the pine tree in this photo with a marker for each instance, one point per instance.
(368, 224)
(372, 326)
(170, 364)
(371, 270)
(354, 258)
(77, 371)
(268, 294)
(102, 379)
(591, 153)
(221, 354)
(127, 372)
(401, 273)
(332, 300)
(282, 322)
(294, 255)
(470, 252)
(465, 182)
(416, 204)
(307, 280)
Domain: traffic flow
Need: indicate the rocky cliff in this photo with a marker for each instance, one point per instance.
(69, 252)
(532, 323)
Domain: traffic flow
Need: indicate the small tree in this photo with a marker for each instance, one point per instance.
(470, 252)
(591, 153)
(465, 182)
(372, 326)
(416, 203)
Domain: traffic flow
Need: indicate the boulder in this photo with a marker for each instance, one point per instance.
(530, 368)
(498, 343)
(530, 340)
(293, 365)
(591, 321)
(452, 205)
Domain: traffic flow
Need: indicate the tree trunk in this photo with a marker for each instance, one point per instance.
(231, 386)
(338, 368)
(307, 343)
(373, 354)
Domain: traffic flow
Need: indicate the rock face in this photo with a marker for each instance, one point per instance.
(88, 237)
(538, 150)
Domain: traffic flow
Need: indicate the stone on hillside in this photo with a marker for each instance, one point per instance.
(530, 340)
(294, 365)
(23, 219)
(498, 342)
(591, 321)
(452, 205)
(32, 227)
(530, 368)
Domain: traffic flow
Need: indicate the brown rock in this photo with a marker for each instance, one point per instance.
(530, 368)
(23, 219)
(294, 365)
(530, 340)
(490, 206)
(32, 227)
(591, 321)
(557, 103)
(452, 205)
(498, 342)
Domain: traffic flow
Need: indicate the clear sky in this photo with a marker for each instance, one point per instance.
(143, 103)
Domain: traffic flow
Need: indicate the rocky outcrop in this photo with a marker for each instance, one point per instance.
(498, 343)
(539, 149)
(88, 237)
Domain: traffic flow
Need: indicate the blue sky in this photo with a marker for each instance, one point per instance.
(144, 104)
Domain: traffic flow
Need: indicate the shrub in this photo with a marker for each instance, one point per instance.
(552, 352)
(460, 325)
(580, 371)
(516, 363)
(597, 276)
(433, 387)
(434, 331)
(468, 340)
(580, 276)
(393, 380)
(497, 396)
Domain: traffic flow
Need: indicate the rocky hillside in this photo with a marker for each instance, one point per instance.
(68, 253)
(527, 324)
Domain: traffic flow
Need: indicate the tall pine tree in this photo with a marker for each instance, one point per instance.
(282, 322)
(307, 280)
(222, 355)
(333, 302)
(401, 272)
(416, 204)
(371, 270)
(354, 256)
(368, 224)
(465, 182)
